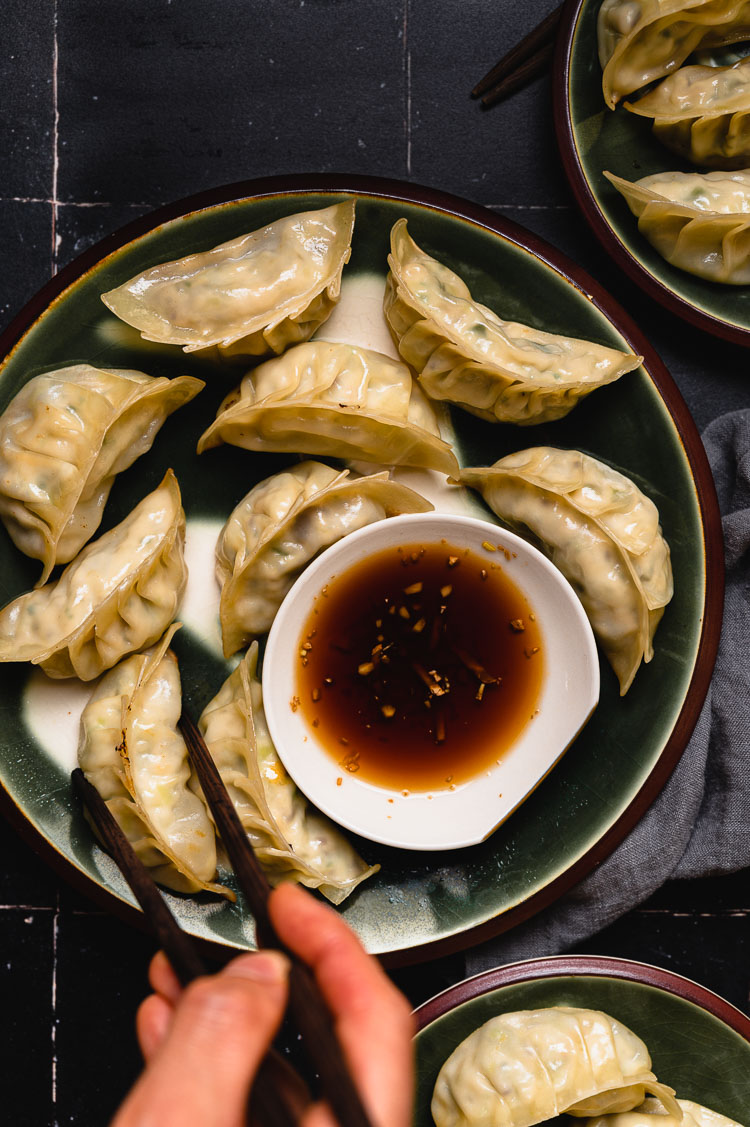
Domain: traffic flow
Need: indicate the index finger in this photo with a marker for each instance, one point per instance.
(372, 1018)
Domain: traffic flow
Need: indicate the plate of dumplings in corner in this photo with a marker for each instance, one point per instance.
(652, 116)
(606, 1041)
(199, 405)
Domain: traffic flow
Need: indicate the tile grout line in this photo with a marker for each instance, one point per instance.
(710, 913)
(55, 931)
(27, 908)
(407, 76)
(111, 203)
(55, 138)
(697, 913)
(72, 203)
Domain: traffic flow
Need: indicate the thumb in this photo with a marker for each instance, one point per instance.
(221, 1029)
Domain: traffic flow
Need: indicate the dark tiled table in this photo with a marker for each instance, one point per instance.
(111, 109)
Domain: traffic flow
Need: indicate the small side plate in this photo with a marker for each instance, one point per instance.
(699, 1042)
(592, 139)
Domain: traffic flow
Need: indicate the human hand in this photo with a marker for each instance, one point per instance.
(203, 1045)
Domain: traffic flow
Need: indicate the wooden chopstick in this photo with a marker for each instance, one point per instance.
(525, 61)
(307, 1005)
(532, 68)
(186, 962)
(279, 1095)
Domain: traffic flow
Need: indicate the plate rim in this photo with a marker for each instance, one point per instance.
(579, 966)
(687, 432)
(589, 206)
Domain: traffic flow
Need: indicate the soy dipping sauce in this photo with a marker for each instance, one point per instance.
(420, 666)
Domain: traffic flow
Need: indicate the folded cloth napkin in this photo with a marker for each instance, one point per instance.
(698, 826)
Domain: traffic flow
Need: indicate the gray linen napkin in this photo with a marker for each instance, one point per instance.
(698, 826)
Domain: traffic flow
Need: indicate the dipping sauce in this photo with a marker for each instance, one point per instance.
(420, 666)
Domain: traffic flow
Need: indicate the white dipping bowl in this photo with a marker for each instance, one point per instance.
(440, 818)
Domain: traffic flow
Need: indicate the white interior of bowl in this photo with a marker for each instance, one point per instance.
(437, 819)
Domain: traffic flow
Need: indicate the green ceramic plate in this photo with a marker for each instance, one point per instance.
(418, 905)
(699, 1043)
(592, 138)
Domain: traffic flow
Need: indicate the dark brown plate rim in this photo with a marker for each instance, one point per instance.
(712, 545)
(588, 205)
(597, 966)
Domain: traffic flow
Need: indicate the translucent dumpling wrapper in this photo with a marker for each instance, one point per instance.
(643, 40)
(63, 439)
(698, 221)
(526, 1067)
(703, 114)
(116, 597)
(336, 400)
(651, 1113)
(281, 525)
(602, 533)
(465, 354)
(254, 295)
(131, 750)
(291, 839)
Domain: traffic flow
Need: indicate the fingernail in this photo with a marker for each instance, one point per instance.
(269, 967)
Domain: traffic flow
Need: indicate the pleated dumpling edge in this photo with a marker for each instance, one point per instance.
(254, 295)
(466, 355)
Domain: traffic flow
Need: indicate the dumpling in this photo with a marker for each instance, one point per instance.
(336, 400)
(130, 749)
(254, 295)
(526, 1067)
(282, 524)
(642, 40)
(465, 354)
(603, 534)
(651, 1114)
(290, 838)
(117, 596)
(63, 438)
(703, 114)
(698, 221)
